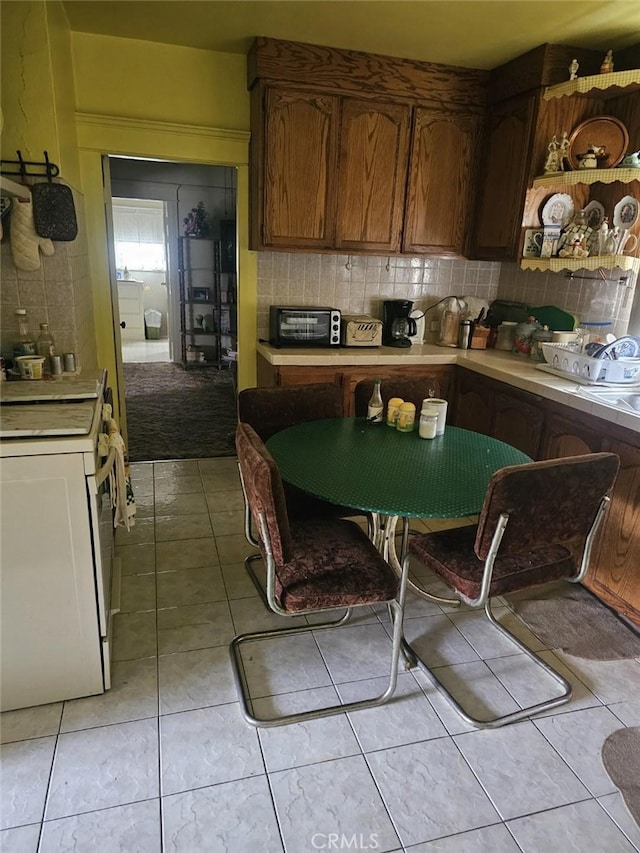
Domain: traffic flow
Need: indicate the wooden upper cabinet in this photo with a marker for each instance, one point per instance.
(503, 175)
(440, 187)
(299, 157)
(372, 172)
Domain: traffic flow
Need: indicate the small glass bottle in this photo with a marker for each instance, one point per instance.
(45, 346)
(24, 343)
(375, 408)
(428, 426)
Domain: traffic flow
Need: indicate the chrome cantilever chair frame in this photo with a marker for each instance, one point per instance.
(484, 600)
(385, 587)
(396, 607)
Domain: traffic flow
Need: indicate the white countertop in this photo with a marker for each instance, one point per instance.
(515, 370)
(69, 386)
(58, 415)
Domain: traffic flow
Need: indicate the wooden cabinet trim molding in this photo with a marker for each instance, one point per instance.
(350, 72)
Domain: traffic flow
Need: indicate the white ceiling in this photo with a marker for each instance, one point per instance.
(471, 33)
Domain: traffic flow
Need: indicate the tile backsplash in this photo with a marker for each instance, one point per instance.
(359, 284)
(58, 293)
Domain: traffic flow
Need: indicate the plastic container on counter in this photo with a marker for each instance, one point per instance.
(505, 335)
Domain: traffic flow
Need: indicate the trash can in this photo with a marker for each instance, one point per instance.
(152, 322)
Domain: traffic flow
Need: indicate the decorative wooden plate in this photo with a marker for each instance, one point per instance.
(606, 131)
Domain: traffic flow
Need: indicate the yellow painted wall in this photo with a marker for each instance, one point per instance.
(145, 80)
(149, 100)
(37, 85)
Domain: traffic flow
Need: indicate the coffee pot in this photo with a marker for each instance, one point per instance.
(397, 325)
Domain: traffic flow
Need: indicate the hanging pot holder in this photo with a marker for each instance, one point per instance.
(54, 212)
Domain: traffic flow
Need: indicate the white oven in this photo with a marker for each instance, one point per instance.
(59, 580)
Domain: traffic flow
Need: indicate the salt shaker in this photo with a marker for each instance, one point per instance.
(428, 426)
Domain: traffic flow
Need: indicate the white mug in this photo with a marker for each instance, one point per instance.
(441, 407)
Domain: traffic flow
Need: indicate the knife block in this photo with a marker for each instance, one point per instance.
(479, 337)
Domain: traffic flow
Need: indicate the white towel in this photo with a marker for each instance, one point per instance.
(122, 498)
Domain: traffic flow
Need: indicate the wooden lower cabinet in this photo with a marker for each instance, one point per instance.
(547, 430)
(348, 376)
(614, 575)
(493, 408)
(570, 436)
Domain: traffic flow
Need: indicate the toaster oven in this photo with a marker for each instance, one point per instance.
(303, 327)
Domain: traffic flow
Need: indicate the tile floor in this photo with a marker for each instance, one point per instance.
(145, 351)
(164, 762)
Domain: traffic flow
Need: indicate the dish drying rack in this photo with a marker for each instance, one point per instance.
(563, 361)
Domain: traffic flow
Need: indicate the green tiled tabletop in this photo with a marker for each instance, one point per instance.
(376, 468)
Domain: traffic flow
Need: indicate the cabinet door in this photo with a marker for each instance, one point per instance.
(299, 168)
(474, 403)
(568, 437)
(372, 173)
(503, 179)
(518, 422)
(614, 574)
(439, 187)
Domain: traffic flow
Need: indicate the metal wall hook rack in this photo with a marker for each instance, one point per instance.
(621, 280)
(26, 168)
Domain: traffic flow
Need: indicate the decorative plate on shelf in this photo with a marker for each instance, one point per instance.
(594, 213)
(557, 210)
(625, 213)
(605, 132)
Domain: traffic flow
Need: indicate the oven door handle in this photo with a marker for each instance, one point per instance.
(103, 472)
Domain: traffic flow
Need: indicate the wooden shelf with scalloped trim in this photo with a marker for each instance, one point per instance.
(587, 176)
(626, 263)
(596, 85)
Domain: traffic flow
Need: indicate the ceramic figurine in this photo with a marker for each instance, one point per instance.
(573, 69)
(563, 152)
(589, 160)
(607, 63)
(552, 163)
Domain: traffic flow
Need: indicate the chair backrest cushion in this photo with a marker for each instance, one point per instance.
(263, 489)
(411, 390)
(269, 410)
(549, 502)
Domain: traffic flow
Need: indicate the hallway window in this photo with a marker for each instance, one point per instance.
(139, 235)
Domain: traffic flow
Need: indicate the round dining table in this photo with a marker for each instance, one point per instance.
(376, 468)
(391, 475)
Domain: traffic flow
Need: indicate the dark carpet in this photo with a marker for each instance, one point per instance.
(174, 413)
(567, 616)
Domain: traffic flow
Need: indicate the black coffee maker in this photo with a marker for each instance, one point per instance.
(397, 325)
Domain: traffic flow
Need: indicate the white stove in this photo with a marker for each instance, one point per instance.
(58, 406)
(58, 570)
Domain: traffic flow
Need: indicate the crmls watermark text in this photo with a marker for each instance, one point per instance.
(340, 841)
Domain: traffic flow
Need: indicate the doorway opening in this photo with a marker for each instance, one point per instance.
(174, 294)
(140, 245)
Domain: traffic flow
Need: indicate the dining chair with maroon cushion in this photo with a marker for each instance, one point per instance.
(272, 409)
(537, 525)
(313, 566)
(411, 390)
